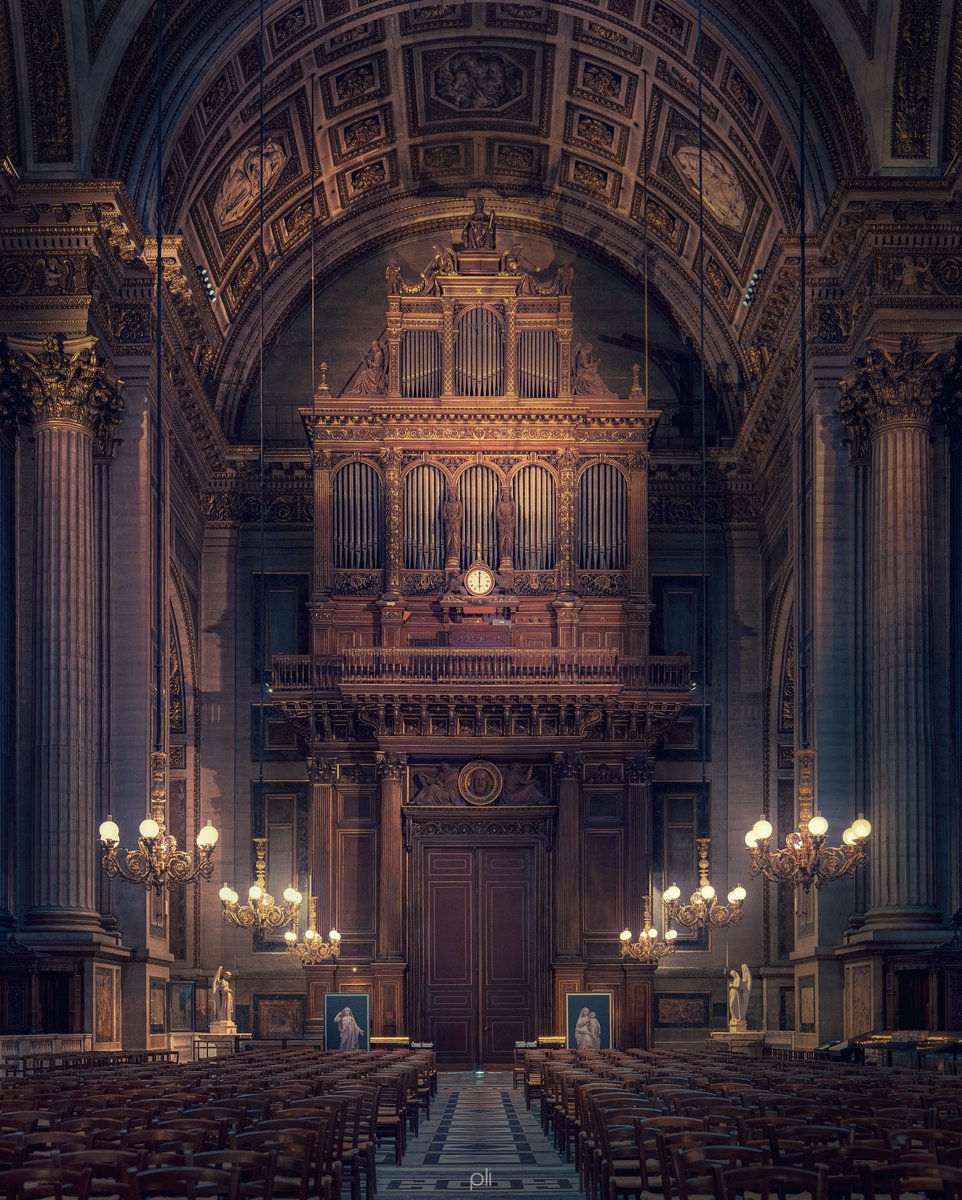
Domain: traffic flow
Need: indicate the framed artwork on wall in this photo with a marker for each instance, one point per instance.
(180, 1006)
(347, 1021)
(588, 1020)
(278, 1017)
(157, 1010)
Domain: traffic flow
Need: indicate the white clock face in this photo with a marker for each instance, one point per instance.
(479, 581)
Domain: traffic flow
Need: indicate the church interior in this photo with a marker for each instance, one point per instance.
(481, 585)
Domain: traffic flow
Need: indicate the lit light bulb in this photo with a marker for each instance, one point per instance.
(207, 838)
(737, 894)
(673, 893)
(334, 936)
(149, 828)
(310, 935)
(818, 827)
(861, 828)
(652, 933)
(254, 892)
(625, 935)
(762, 830)
(751, 841)
(292, 895)
(225, 894)
(671, 935)
(290, 937)
(109, 831)
(849, 838)
(707, 892)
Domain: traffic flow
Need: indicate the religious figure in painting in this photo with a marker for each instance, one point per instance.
(351, 1033)
(587, 1031)
(739, 992)
(479, 230)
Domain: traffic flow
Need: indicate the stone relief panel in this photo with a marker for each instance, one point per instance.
(371, 178)
(347, 41)
(589, 131)
(722, 192)
(502, 86)
(361, 134)
(604, 37)
(590, 179)
(252, 170)
(602, 84)
(514, 158)
(355, 84)
(538, 17)
(914, 80)
(45, 46)
(436, 16)
(454, 158)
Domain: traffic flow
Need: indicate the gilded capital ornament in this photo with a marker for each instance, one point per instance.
(60, 380)
(891, 389)
(391, 766)
(322, 770)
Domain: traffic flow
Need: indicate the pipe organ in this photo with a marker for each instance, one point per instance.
(479, 697)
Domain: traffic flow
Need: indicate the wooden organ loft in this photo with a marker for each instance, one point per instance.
(480, 709)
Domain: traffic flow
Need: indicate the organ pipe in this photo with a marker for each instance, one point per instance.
(479, 487)
(602, 519)
(535, 537)
(424, 492)
(420, 363)
(538, 363)
(478, 354)
(358, 527)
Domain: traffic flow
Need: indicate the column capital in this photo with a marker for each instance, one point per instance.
(322, 770)
(60, 380)
(640, 770)
(390, 766)
(892, 388)
(568, 765)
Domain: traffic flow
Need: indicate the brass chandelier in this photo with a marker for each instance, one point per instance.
(805, 861)
(649, 948)
(703, 908)
(313, 949)
(260, 914)
(157, 862)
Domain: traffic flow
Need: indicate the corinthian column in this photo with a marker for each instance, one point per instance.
(73, 404)
(390, 940)
(888, 403)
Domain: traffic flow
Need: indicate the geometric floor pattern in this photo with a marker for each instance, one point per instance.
(481, 1141)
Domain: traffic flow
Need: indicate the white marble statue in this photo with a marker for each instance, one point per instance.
(222, 1002)
(739, 991)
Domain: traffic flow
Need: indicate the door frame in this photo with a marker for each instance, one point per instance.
(471, 829)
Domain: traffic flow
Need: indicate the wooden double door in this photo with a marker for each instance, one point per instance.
(479, 950)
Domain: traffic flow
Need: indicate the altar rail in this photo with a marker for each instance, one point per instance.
(504, 667)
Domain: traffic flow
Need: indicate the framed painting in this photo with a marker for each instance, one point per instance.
(347, 1021)
(105, 1012)
(682, 1010)
(180, 1006)
(278, 1017)
(157, 1011)
(588, 1020)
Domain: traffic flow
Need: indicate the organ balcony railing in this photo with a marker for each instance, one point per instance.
(410, 668)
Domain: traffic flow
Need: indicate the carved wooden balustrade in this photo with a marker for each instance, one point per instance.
(412, 669)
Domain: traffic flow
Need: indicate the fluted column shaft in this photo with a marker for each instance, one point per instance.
(390, 933)
(567, 870)
(64, 675)
(900, 497)
(7, 676)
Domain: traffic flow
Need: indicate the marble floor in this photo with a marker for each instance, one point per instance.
(481, 1141)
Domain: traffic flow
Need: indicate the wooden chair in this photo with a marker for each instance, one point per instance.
(295, 1151)
(255, 1169)
(33, 1182)
(187, 1183)
(109, 1169)
(765, 1182)
(908, 1179)
(691, 1169)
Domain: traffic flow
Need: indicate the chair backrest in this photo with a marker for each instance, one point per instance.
(907, 1179)
(251, 1166)
(692, 1168)
(764, 1181)
(36, 1181)
(188, 1183)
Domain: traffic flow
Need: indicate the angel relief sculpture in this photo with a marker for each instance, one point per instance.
(436, 785)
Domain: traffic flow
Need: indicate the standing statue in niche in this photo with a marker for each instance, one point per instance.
(451, 515)
(372, 381)
(739, 992)
(585, 378)
(505, 513)
(222, 1003)
(479, 230)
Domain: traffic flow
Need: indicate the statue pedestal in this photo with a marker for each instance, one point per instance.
(737, 1026)
(221, 1027)
(739, 1041)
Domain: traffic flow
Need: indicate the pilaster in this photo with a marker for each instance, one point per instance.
(392, 771)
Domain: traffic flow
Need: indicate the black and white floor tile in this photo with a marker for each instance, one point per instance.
(481, 1141)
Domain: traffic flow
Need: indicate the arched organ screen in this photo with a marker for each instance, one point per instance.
(479, 487)
(602, 529)
(478, 354)
(424, 492)
(537, 363)
(420, 363)
(535, 536)
(358, 525)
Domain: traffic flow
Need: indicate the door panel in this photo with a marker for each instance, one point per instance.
(451, 993)
(506, 878)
